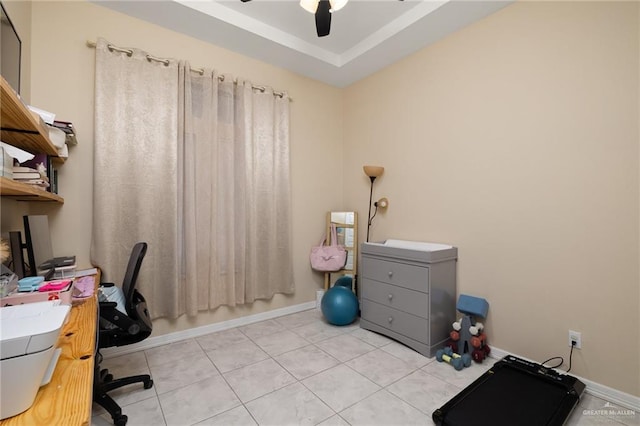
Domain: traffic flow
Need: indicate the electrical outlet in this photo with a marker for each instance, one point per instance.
(575, 336)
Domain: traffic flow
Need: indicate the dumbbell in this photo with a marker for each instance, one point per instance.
(478, 341)
(487, 349)
(466, 358)
(457, 363)
(478, 355)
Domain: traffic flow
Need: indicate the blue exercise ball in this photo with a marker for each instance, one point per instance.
(345, 281)
(339, 305)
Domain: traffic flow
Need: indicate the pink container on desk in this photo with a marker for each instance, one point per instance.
(54, 285)
(64, 295)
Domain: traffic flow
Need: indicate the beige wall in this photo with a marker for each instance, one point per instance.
(11, 211)
(516, 139)
(62, 81)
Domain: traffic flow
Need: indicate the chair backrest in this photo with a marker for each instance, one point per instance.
(136, 324)
(131, 276)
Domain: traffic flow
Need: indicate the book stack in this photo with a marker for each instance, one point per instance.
(6, 164)
(31, 177)
(68, 129)
(44, 166)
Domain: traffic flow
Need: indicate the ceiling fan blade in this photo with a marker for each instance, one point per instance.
(323, 18)
(244, 1)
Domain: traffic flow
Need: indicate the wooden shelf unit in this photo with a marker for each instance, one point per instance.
(23, 192)
(348, 221)
(21, 128)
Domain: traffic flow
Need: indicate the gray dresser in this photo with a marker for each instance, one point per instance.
(408, 292)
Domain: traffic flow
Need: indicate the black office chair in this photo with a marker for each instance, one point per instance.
(118, 329)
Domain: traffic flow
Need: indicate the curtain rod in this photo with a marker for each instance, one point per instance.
(200, 71)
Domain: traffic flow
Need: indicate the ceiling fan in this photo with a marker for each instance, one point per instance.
(322, 10)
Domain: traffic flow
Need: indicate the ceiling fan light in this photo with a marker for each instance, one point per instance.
(309, 5)
(337, 4)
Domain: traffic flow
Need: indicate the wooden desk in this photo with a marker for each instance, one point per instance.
(67, 399)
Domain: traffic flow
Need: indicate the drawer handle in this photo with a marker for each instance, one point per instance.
(390, 274)
(390, 297)
(390, 320)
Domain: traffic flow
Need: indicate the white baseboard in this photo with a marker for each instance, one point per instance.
(153, 342)
(596, 389)
(319, 296)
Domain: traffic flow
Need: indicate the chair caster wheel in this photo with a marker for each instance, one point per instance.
(120, 420)
(105, 376)
(149, 384)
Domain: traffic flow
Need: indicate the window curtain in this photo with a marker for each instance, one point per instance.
(218, 213)
(237, 214)
(134, 172)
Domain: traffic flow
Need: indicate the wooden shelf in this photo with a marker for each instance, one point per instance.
(23, 129)
(24, 192)
(19, 127)
(58, 160)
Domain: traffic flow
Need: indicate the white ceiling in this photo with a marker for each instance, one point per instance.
(366, 35)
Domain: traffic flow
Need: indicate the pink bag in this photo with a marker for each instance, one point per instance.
(328, 258)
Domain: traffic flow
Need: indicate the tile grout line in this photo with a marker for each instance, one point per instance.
(285, 327)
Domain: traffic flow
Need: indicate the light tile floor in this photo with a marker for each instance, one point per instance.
(297, 370)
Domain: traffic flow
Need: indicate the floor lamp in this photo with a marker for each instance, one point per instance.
(373, 172)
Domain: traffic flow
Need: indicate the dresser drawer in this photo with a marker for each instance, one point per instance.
(403, 299)
(400, 274)
(392, 319)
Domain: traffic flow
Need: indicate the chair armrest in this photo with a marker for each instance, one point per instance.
(107, 305)
(121, 320)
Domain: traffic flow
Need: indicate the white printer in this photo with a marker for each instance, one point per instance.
(28, 334)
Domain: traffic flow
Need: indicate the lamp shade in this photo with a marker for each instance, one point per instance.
(373, 171)
(337, 4)
(312, 5)
(309, 5)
